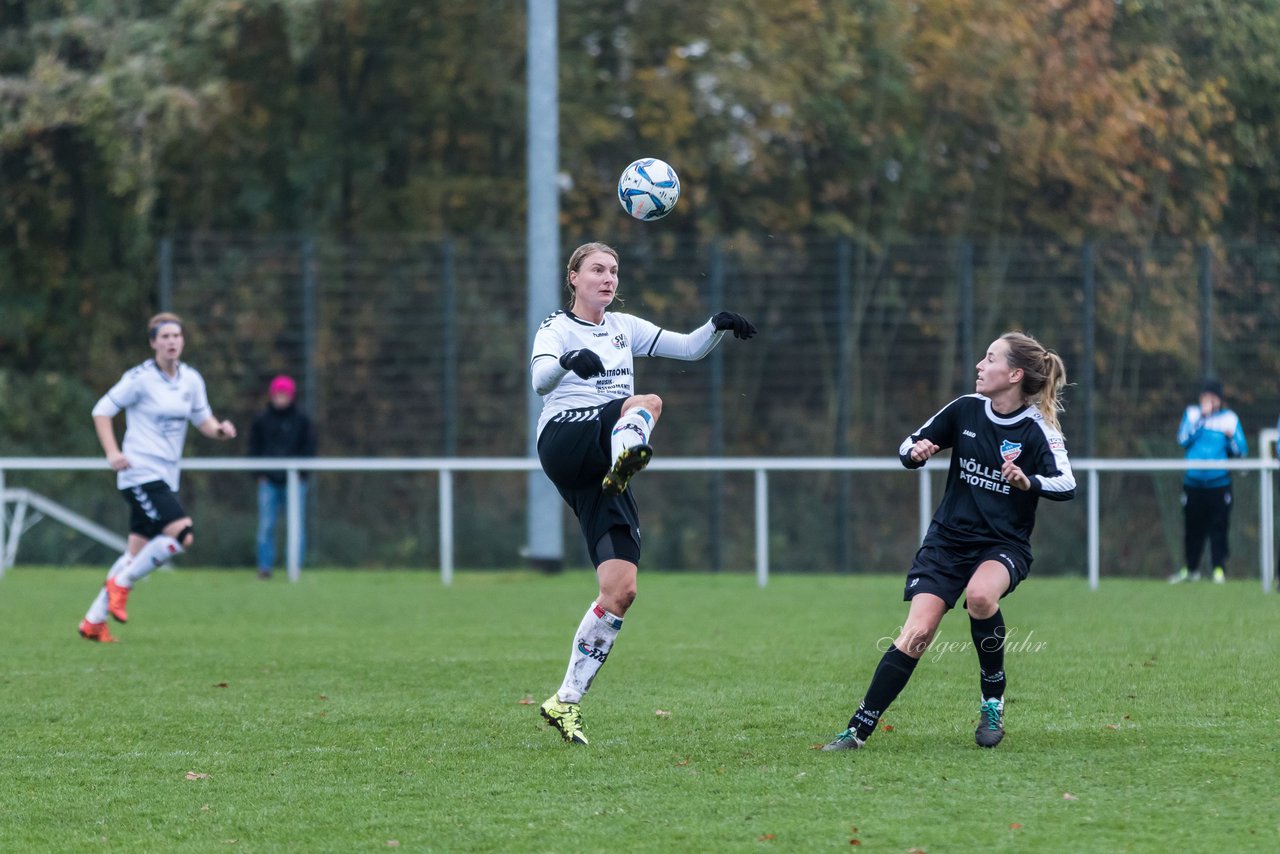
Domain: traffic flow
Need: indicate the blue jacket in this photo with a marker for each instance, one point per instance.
(1217, 437)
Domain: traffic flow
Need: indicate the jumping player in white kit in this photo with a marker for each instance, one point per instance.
(159, 398)
(593, 437)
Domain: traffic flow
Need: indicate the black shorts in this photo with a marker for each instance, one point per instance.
(151, 506)
(945, 572)
(575, 451)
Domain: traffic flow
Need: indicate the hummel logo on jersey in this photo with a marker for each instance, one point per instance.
(599, 334)
(1010, 451)
(970, 434)
(620, 341)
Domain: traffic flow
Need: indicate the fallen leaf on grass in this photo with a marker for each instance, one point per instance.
(195, 775)
(1111, 726)
(1067, 796)
(682, 763)
(393, 843)
(855, 841)
(1015, 826)
(767, 837)
(916, 851)
(662, 713)
(526, 700)
(221, 685)
(887, 728)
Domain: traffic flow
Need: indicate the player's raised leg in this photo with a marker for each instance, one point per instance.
(630, 441)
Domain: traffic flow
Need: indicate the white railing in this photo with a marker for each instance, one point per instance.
(760, 466)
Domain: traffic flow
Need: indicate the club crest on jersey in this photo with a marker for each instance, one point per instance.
(620, 341)
(1010, 451)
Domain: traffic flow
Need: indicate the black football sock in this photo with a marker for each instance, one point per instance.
(890, 678)
(988, 640)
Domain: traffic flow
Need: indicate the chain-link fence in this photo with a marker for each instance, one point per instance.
(409, 347)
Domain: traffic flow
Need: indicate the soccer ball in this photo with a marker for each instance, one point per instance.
(648, 189)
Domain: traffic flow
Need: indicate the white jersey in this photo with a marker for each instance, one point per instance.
(617, 340)
(157, 410)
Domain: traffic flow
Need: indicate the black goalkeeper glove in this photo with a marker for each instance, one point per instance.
(584, 363)
(741, 327)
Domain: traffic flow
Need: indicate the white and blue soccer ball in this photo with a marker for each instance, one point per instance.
(648, 189)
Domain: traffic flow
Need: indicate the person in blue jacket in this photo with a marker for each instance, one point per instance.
(1209, 431)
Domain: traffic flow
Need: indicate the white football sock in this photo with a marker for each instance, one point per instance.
(591, 647)
(632, 429)
(121, 565)
(147, 561)
(97, 612)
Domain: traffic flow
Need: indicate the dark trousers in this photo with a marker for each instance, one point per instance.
(1206, 513)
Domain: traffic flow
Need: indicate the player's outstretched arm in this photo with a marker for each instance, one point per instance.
(701, 341)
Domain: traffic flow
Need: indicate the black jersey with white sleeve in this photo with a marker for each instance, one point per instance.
(618, 340)
(979, 506)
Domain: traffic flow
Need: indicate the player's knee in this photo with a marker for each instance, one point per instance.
(980, 603)
(651, 402)
(624, 599)
(185, 536)
(618, 601)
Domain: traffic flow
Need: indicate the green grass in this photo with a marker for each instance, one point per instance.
(356, 709)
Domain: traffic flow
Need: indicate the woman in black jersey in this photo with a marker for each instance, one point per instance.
(1007, 452)
(593, 437)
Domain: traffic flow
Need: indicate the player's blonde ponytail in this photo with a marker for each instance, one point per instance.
(1044, 375)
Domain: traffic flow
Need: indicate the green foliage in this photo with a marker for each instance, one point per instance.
(30, 399)
(362, 711)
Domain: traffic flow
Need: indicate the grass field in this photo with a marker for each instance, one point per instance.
(359, 711)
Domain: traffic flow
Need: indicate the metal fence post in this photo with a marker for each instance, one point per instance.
(762, 527)
(293, 529)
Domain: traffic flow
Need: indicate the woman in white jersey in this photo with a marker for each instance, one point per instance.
(1007, 452)
(159, 398)
(593, 436)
